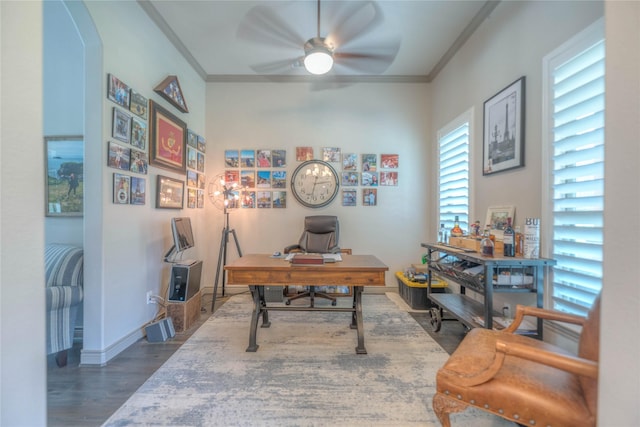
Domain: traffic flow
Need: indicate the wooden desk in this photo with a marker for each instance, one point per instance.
(257, 271)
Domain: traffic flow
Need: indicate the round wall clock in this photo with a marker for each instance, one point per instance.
(315, 183)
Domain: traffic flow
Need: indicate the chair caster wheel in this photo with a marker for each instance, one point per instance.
(287, 302)
(333, 303)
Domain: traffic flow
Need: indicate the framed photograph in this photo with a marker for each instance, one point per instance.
(138, 133)
(389, 161)
(192, 139)
(503, 146)
(369, 162)
(167, 139)
(191, 198)
(248, 199)
(264, 199)
(138, 105)
(349, 162)
(139, 162)
(497, 219)
(369, 197)
(200, 199)
(119, 157)
(247, 158)
(264, 158)
(369, 179)
(349, 197)
(279, 199)
(202, 144)
(192, 158)
(264, 179)
(349, 179)
(170, 90)
(279, 179)
(279, 158)
(121, 125)
(304, 154)
(169, 193)
(138, 191)
(121, 189)
(231, 158)
(331, 154)
(117, 91)
(64, 178)
(200, 162)
(248, 179)
(192, 179)
(389, 179)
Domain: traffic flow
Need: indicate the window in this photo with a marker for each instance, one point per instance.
(453, 166)
(574, 123)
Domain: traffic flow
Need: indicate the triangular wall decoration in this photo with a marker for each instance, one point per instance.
(170, 90)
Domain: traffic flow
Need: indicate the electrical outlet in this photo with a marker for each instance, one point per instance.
(150, 299)
(506, 310)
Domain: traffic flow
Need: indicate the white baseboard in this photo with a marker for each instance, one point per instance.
(101, 357)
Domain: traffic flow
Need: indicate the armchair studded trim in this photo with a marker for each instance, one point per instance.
(64, 293)
(523, 379)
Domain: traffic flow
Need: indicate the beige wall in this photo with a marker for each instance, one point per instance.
(361, 118)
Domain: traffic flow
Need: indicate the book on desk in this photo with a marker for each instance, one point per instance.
(314, 259)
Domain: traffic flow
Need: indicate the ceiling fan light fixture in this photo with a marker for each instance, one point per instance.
(318, 57)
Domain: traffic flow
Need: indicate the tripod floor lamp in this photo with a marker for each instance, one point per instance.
(224, 196)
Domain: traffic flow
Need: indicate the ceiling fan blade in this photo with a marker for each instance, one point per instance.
(262, 25)
(278, 67)
(374, 60)
(357, 19)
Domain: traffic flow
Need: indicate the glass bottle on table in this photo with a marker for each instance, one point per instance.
(486, 245)
(442, 234)
(508, 240)
(456, 231)
(519, 241)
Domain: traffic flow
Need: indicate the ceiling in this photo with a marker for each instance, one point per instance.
(219, 38)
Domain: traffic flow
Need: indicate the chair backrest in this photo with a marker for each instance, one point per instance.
(63, 265)
(320, 235)
(589, 348)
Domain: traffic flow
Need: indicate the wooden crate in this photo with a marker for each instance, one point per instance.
(467, 243)
(185, 314)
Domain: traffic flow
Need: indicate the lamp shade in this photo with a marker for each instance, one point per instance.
(318, 57)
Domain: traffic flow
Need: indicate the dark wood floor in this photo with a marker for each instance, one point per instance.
(87, 396)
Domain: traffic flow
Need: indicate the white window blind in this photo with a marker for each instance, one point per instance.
(453, 187)
(576, 79)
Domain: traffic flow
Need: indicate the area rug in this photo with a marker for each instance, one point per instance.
(305, 373)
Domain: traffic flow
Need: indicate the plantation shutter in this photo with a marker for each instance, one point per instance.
(578, 178)
(454, 176)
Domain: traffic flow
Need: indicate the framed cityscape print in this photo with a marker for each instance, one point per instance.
(503, 141)
(167, 139)
(121, 189)
(64, 177)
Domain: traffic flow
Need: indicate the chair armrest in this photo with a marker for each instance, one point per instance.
(292, 248)
(573, 364)
(542, 313)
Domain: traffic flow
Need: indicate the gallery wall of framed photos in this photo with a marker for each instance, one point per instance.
(145, 133)
(261, 174)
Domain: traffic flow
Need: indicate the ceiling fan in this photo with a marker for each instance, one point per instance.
(342, 51)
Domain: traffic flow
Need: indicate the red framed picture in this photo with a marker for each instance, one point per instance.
(168, 139)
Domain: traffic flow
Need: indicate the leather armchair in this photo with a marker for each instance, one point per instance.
(522, 379)
(64, 273)
(320, 235)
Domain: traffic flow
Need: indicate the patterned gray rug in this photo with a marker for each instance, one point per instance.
(305, 373)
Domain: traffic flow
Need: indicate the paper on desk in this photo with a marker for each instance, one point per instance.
(327, 257)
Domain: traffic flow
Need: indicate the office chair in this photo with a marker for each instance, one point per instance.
(320, 236)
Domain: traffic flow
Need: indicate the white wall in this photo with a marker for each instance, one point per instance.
(619, 390)
(63, 60)
(125, 243)
(362, 118)
(22, 300)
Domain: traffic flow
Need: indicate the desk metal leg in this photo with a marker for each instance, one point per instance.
(356, 319)
(255, 316)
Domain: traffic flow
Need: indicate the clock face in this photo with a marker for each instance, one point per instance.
(315, 183)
